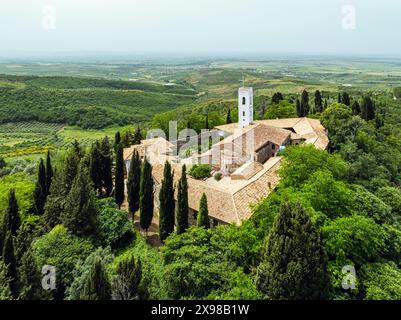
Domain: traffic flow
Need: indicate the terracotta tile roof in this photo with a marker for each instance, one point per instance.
(228, 201)
(305, 128)
(157, 146)
(259, 133)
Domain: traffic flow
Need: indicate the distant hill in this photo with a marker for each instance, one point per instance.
(87, 102)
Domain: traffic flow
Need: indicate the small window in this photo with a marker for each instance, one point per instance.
(243, 113)
(243, 100)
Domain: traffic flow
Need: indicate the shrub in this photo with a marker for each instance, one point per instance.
(200, 171)
(218, 176)
(115, 227)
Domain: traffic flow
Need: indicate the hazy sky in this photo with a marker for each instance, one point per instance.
(201, 26)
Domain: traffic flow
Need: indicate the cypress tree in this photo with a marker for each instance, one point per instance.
(39, 199)
(41, 191)
(294, 261)
(119, 177)
(356, 108)
(71, 168)
(367, 109)
(29, 278)
(345, 99)
(97, 285)
(5, 290)
(95, 169)
(106, 167)
(10, 262)
(277, 97)
(228, 118)
(207, 121)
(55, 203)
(182, 201)
(117, 139)
(146, 203)
(42, 177)
(134, 183)
(203, 214)
(298, 108)
(23, 240)
(167, 203)
(11, 220)
(126, 285)
(305, 103)
(318, 101)
(325, 104)
(137, 136)
(80, 211)
(49, 173)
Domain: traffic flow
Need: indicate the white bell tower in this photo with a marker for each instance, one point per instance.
(245, 107)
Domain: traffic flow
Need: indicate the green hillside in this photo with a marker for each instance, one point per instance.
(87, 103)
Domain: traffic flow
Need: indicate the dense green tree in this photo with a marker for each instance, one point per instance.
(356, 108)
(356, 238)
(29, 278)
(182, 202)
(10, 262)
(11, 219)
(367, 108)
(5, 290)
(392, 197)
(119, 192)
(282, 109)
(61, 249)
(344, 98)
(381, 281)
(167, 203)
(303, 161)
(115, 227)
(203, 214)
(49, 173)
(97, 285)
(83, 268)
(126, 284)
(294, 262)
(146, 204)
(80, 213)
(277, 97)
(193, 267)
(134, 184)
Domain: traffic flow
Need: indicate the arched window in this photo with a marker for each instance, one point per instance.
(243, 100)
